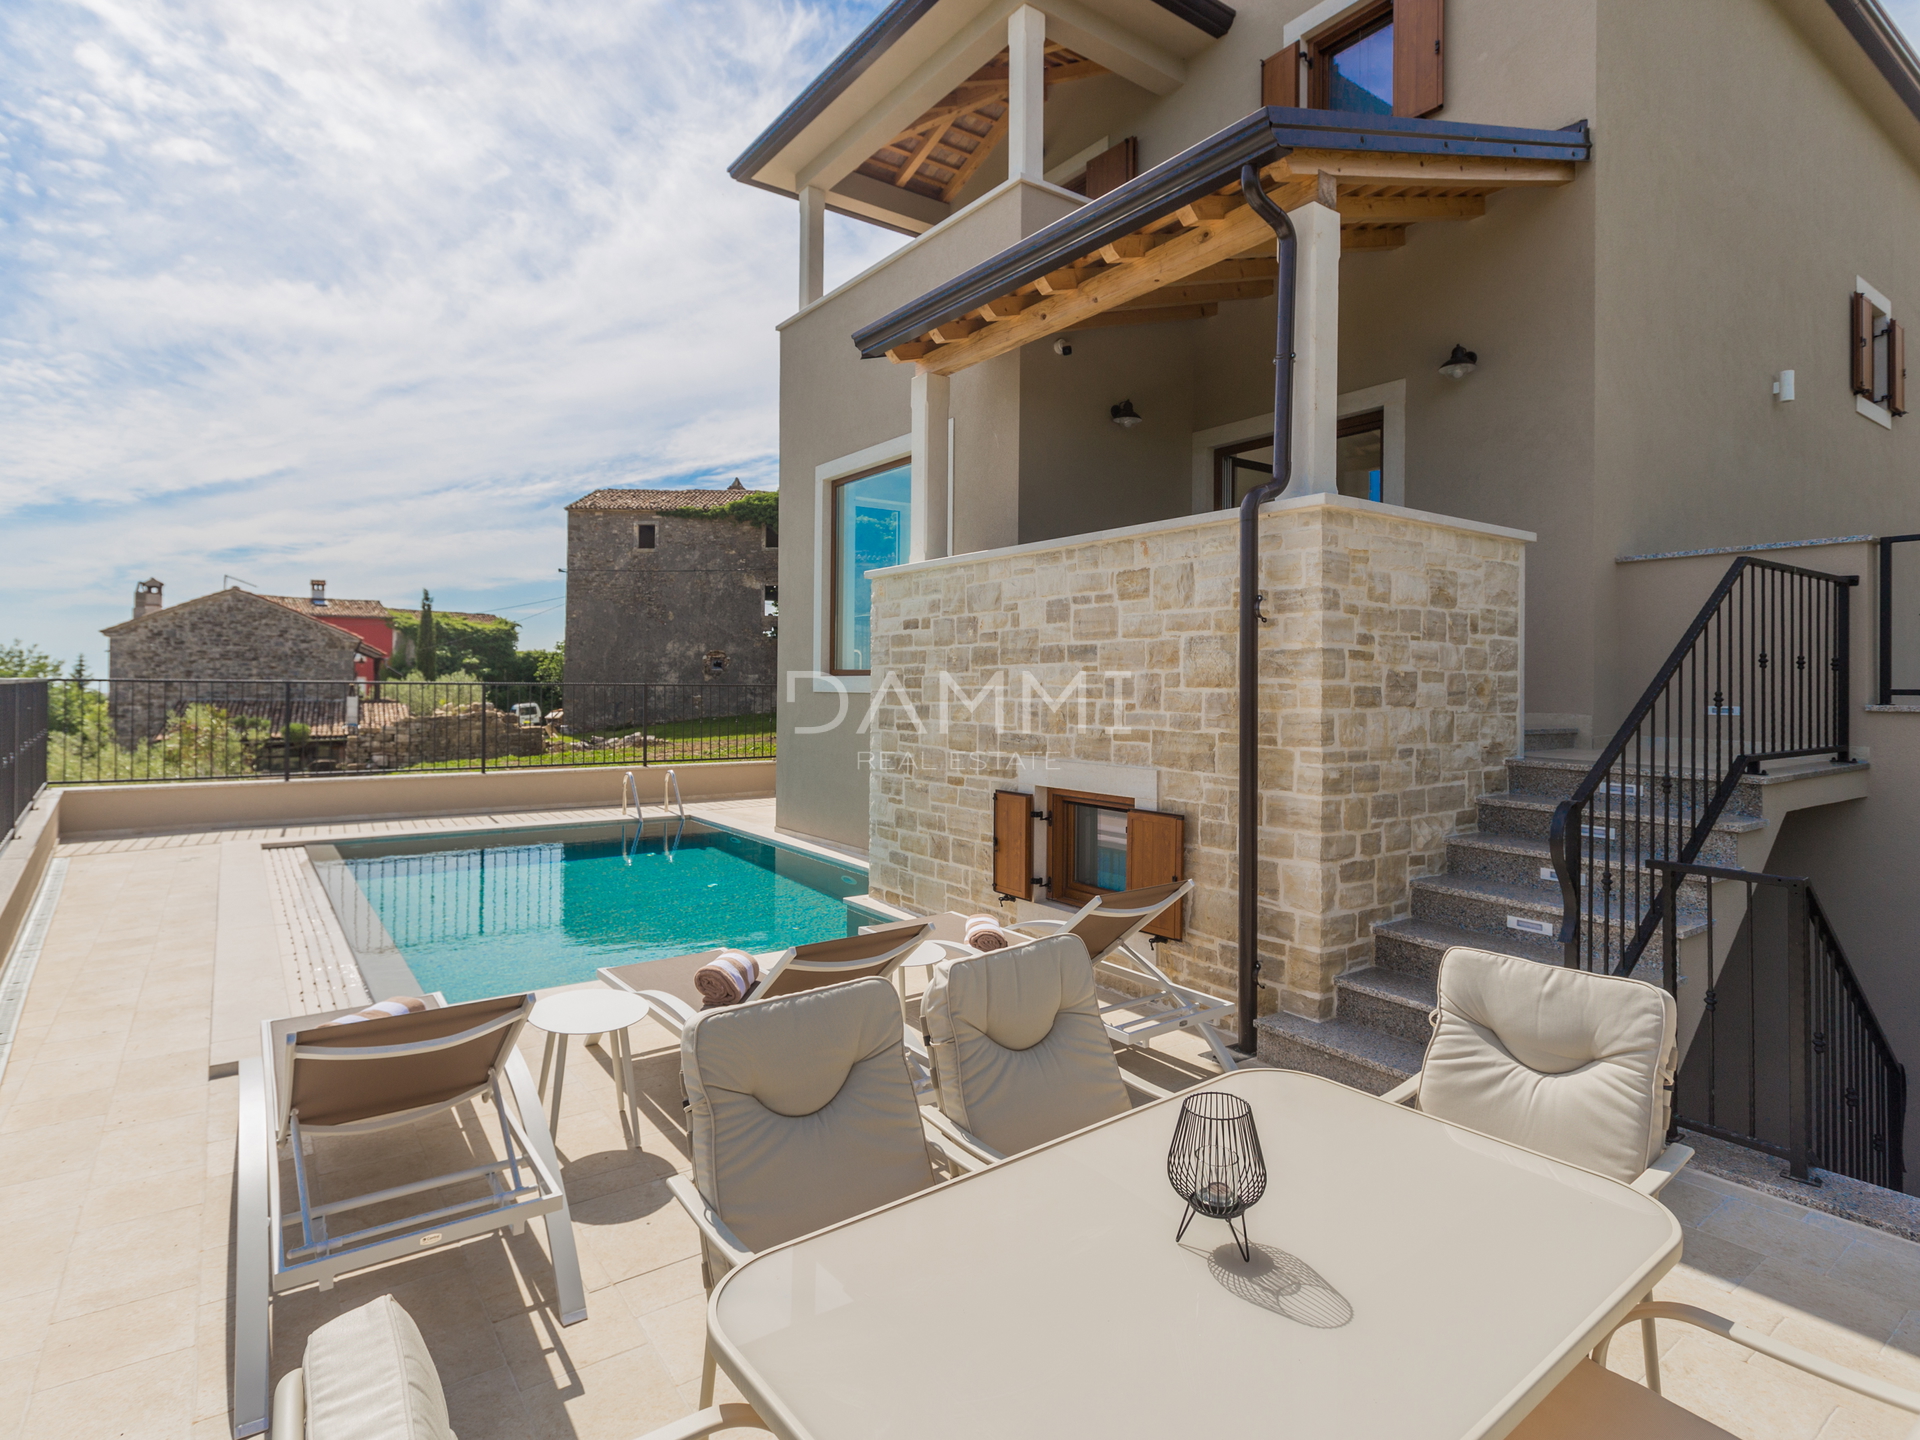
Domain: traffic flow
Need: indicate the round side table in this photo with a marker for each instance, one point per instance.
(602, 1010)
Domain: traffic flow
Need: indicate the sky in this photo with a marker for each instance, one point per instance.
(368, 290)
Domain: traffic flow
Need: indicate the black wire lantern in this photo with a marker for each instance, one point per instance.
(1215, 1164)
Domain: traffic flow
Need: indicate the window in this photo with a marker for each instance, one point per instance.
(771, 537)
(1354, 66)
(1879, 370)
(1377, 57)
(645, 537)
(870, 532)
(1238, 469)
(1089, 844)
(1360, 455)
(771, 602)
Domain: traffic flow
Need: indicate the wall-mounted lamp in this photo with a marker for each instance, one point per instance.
(1783, 385)
(1125, 415)
(1460, 363)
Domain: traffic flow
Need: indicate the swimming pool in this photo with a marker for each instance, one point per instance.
(488, 914)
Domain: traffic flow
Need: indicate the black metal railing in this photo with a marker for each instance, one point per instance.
(1899, 647)
(106, 731)
(1788, 1057)
(23, 749)
(1761, 674)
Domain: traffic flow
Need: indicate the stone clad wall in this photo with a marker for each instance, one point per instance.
(1390, 694)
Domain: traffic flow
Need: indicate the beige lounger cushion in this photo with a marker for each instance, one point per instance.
(369, 1377)
(802, 1110)
(1566, 1062)
(1019, 1050)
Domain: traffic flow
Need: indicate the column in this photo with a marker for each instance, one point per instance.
(927, 532)
(813, 244)
(1026, 93)
(1316, 365)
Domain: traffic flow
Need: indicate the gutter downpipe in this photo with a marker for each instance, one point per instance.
(1250, 617)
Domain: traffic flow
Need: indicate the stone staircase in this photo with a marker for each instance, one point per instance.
(1500, 873)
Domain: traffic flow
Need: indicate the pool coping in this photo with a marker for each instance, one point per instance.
(325, 964)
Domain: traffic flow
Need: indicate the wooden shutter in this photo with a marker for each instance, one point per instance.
(1013, 844)
(1896, 367)
(1280, 77)
(1156, 855)
(1863, 346)
(1419, 78)
(1111, 169)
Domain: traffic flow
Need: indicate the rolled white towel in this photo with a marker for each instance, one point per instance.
(985, 933)
(726, 979)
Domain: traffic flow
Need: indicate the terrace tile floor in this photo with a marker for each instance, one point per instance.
(116, 1160)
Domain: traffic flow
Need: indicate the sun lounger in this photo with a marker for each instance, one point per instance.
(668, 984)
(315, 1079)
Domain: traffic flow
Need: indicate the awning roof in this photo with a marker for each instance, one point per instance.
(1172, 242)
(1209, 19)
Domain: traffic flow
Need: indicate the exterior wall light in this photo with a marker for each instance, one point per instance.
(1125, 415)
(1460, 363)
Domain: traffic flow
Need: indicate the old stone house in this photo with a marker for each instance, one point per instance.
(368, 619)
(229, 635)
(686, 603)
(240, 652)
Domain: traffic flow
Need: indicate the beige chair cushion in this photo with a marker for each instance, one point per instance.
(1019, 1052)
(369, 1377)
(1596, 1404)
(1572, 1064)
(802, 1110)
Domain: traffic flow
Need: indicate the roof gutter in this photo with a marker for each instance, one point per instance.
(1886, 47)
(1260, 138)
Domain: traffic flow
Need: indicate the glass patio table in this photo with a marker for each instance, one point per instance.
(1410, 1280)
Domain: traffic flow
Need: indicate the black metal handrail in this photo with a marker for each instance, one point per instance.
(1761, 674)
(1804, 1070)
(23, 749)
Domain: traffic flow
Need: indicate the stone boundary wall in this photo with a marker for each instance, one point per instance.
(1389, 697)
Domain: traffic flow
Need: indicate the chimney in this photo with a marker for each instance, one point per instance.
(146, 598)
(319, 591)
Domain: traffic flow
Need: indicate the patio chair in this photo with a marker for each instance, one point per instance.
(367, 1375)
(668, 984)
(1595, 1403)
(315, 1079)
(1570, 1063)
(802, 1115)
(1110, 926)
(1020, 1055)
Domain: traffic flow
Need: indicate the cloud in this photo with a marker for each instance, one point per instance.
(377, 287)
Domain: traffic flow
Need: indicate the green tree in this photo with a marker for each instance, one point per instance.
(20, 661)
(427, 660)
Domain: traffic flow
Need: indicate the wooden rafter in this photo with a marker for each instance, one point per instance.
(1215, 249)
(964, 127)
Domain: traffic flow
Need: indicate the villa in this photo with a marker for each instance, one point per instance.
(1335, 838)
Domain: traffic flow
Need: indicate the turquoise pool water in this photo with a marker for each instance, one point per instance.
(475, 915)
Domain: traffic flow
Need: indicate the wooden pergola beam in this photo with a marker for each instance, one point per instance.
(1209, 243)
(1409, 209)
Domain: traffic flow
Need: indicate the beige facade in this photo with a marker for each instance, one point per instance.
(1754, 163)
(1389, 696)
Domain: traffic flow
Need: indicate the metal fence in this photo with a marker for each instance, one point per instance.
(23, 749)
(1762, 673)
(107, 731)
(1788, 1057)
